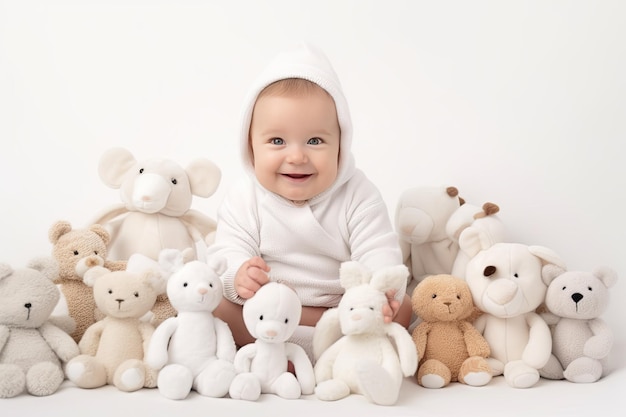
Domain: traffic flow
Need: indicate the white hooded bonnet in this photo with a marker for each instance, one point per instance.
(307, 62)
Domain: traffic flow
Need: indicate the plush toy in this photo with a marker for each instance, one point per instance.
(471, 222)
(75, 251)
(508, 281)
(156, 196)
(581, 340)
(112, 349)
(271, 316)
(421, 217)
(32, 349)
(448, 345)
(193, 350)
(357, 351)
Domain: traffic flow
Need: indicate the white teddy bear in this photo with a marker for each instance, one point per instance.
(358, 352)
(193, 350)
(581, 340)
(508, 282)
(271, 316)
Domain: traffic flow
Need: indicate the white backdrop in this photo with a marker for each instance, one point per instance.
(518, 103)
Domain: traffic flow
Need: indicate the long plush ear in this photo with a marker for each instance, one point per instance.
(389, 278)
(47, 265)
(113, 166)
(352, 273)
(204, 177)
(607, 275)
(327, 331)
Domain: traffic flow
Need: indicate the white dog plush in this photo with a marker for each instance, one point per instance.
(358, 352)
(508, 282)
(271, 316)
(194, 349)
(581, 340)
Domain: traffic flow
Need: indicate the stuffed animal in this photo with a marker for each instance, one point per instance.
(421, 217)
(32, 349)
(581, 340)
(448, 345)
(112, 349)
(271, 316)
(156, 196)
(75, 251)
(357, 351)
(471, 222)
(193, 350)
(508, 281)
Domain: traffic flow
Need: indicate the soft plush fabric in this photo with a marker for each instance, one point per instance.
(448, 346)
(194, 349)
(357, 351)
(581, 340)
(75, 251)
(32, 348)
(348, 221)
(508, 282)
(113, 349)
(156, 195)
(271, 316)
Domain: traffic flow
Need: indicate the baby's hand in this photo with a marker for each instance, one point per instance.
(251, 276)
(390, 310)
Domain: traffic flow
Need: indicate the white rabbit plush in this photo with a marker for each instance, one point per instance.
(271, 316)
(194, 349)
(358, 352)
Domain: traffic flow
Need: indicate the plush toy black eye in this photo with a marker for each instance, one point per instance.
(458, 297)
(516, 275)
(372, 308)
(351, 308)
(174, 181)
(110, 291)
(261, 317)
(434, 296)
(95, 252)
(489, 270)
(136, 294)
(211, 285)
(590, 289)
(563, 288)
(185, 284)
(75, 252)
(286, 321)
(141, 170)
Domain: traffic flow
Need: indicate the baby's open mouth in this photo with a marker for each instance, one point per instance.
(297, 176)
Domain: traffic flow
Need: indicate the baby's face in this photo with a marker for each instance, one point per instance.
(295, 144)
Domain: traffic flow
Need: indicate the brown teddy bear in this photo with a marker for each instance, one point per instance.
(448, 345)
(75, 251)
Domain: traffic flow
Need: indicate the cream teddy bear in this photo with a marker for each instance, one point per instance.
(581, 340)
(508, 281)
(75, 251)
(271, 316)
(113, 349)
(357, 351)
(448, 345)
(194, 349)
(32, 349)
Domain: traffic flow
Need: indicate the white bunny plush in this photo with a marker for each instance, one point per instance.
(271, 316)
(194, 349)
(358, 352)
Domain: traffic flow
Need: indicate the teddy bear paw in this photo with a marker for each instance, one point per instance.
(245, 386)
(331, 390)
(130, 376)
(175, 382)
(519, 375)
(477, 379)
(44, 379)
(583, 370)
(287, 386)
(216, 379)
(12, 381)
(433, 381)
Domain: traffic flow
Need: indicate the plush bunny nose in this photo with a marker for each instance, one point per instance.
(356, 317)
(271, 333)
(202, 290)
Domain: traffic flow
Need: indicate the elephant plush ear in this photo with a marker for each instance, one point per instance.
(113, 166)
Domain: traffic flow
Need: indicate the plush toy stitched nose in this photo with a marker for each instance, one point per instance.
(28, 306)
(120, 301)
(271, 333)
(202, 291)
(577, 297)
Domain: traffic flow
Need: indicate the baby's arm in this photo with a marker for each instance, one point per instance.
(250, 276)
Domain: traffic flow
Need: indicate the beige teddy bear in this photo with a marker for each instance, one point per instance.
(113, 349)
(448, 345)
(75, 251)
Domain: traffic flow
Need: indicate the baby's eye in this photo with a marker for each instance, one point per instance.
(277, 141)
(314, 141)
